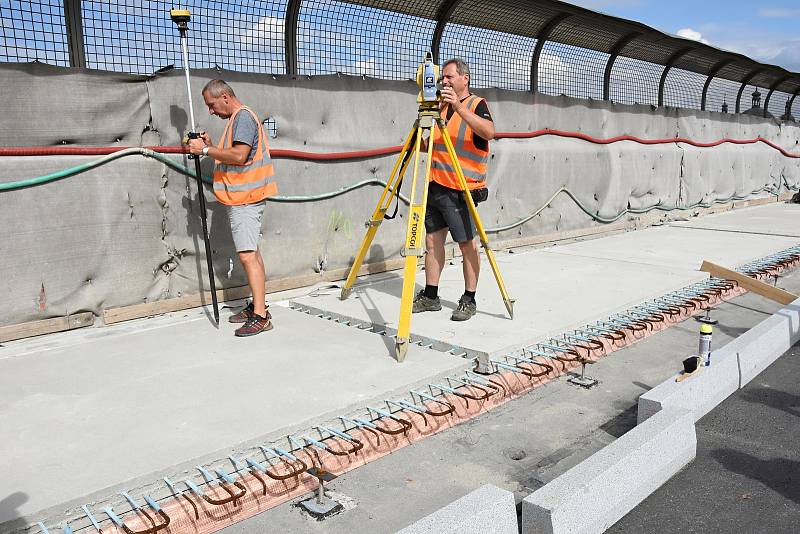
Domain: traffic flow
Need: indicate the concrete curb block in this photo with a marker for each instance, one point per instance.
(698, 394)
(487, 509)
(760, 346)
(596, 493)
(732, 367)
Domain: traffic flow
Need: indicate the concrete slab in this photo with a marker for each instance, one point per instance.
(92, 409)
(682, 248)
(772, 220)
(487, 509)
(596, 493)
(554, 293)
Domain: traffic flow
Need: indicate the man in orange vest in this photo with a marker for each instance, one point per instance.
(243, 179)
(470, 126)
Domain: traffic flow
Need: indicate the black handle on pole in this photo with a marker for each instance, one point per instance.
(203, 218)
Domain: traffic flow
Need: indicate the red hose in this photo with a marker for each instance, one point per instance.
(362, 154)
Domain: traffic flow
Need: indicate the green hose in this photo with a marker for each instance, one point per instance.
(325, 196)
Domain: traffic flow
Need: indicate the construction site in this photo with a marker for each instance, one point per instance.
(631, 366)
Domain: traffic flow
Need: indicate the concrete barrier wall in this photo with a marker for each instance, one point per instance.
(129, 232)
(596, 493)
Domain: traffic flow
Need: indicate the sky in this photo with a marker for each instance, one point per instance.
(766, 30)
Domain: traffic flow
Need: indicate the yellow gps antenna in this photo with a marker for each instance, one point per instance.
(181, 17)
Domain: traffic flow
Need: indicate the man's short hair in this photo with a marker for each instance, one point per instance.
(461, 66)
(217, 87)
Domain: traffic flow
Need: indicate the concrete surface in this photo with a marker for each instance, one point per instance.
(487, 509)
(526, 443)
(596, 493)
(779, 220)
(746, 477)
(143, 398)
(554, 293)
(97, 408)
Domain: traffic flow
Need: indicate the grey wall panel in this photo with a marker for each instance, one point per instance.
(45, 105)
(79, 244)
(133, 228)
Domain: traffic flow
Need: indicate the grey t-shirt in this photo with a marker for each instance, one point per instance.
(245, 130)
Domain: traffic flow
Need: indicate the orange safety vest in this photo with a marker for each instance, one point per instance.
(250, 182)
(472, 159)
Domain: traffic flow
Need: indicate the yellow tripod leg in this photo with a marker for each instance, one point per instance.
(389, 193)
(509, 302)
(414, 249)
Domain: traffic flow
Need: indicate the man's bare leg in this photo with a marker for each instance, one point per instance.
(434, 259)
(253, 265)
(471, 264)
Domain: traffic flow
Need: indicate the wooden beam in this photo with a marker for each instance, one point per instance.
(46, 326)
(750, 284)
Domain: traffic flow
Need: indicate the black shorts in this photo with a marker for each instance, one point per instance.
(447, 209)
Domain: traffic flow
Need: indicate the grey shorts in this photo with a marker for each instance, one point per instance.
(447, 209)
(246, 225)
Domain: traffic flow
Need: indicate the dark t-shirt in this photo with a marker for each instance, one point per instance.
(245, 130)
(482, 110)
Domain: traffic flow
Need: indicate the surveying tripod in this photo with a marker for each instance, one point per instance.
(428, 117)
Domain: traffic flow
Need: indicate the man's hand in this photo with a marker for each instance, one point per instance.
(449, 97)
(196, 146)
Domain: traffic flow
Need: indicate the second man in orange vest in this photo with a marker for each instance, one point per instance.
(470, 126)
(243, 179)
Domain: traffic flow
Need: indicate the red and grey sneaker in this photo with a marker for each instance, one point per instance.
(244, 314)
(255, 324)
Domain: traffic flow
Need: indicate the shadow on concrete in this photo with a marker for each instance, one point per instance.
(9, 510)
(779, 474)
(621, 423)
(774, 398)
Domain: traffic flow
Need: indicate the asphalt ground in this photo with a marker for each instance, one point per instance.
(527, 442)
(746, 477)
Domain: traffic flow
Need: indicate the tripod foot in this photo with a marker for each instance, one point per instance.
(345, 293)
(400, 349)
(510, 307)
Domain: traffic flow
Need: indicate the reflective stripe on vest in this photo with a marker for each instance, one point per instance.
(247, 183)
(471, 158)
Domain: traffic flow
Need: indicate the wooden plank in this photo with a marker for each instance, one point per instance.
(46, 326)
(750, 284)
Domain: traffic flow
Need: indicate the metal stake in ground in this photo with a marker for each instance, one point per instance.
(181, 18)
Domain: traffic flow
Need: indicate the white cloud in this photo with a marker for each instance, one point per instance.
(694, 35)
(778, 12)
(262, 32)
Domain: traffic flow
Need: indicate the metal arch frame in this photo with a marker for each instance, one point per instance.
(711, 75)
(791, 100)
(670, 63)
(747, 79)
(74, 26)
(619, 46)
(772, 90)
(541, 40)
(290, 36)
(442, 18)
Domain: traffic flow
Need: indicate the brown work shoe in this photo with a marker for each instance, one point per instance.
(255, 324)
(244, 314)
